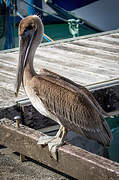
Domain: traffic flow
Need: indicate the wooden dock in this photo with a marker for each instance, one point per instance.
(92, 61)
(86, 60)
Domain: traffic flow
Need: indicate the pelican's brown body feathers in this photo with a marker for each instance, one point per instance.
(70, 104)
(57, 97)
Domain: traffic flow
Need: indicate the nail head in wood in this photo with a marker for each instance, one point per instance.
(17, 119)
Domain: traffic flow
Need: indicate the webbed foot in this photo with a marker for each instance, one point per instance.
(44, 140)
(54, 142)
(54, 145)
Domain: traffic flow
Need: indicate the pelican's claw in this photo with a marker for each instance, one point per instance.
(53, 143)
(44, 140)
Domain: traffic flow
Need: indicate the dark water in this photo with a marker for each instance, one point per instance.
(61, 31)
(114, 148)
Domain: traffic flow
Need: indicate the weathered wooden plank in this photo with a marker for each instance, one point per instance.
(97, 45)
(55, 66)
(74, 63)
(88, 51)
(70, 58)
(72, 160)
(115, 35)
(83, 64)
(110, 38)
(8, 62)
(72, 66)
(107, 40)
(62, 56)
(8, 72)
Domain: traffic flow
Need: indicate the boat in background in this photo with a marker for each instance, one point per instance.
(100, 14)
(62, 19)
(59, 23)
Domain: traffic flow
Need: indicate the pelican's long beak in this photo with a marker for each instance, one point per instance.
(24, 49)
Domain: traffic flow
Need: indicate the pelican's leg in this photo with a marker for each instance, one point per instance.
(54, 141)
(57, 141)
(62, 132)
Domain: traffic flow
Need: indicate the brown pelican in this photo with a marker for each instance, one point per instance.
(57, 97)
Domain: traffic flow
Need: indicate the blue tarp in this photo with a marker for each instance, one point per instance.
(72, 4)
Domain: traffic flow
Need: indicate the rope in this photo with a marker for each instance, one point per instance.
(47, 37)
(44, 35)
(34, 6)
(22, 17)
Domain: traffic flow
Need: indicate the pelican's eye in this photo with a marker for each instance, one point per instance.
(28, 28)
(27, 31)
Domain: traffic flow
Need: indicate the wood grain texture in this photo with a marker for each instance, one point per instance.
(73, 161)
(84, 60)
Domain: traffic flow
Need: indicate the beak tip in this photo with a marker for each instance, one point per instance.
(16, 94)
(16, 89)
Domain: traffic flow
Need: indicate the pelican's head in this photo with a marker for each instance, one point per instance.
(30, 35)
